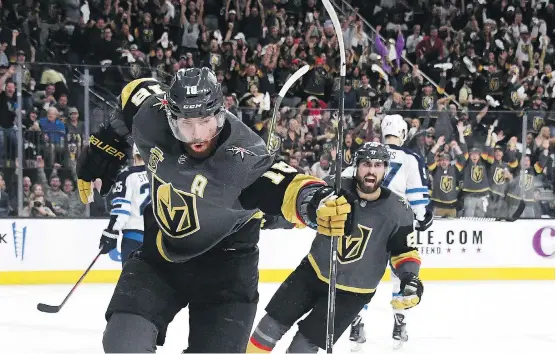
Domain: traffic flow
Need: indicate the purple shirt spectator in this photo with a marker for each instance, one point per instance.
(384, 52)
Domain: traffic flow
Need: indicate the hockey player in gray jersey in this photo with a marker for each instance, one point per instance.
(381, 225)
(131, 194)
(210, 176)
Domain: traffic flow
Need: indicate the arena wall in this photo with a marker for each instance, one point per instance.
(55, 251)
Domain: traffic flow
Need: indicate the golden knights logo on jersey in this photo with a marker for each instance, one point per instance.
(428, 102)
(148, 35)
(446, 184)
(336, 84)
(498, 176)
(274, 143)
(514, 98)
(364, 101)
(351, 248)
(347, 156)
(494, 84)
(135, 70)
(538, 123)
(407, 79)
(526, 182)
(467, 130)
(477, 173)
(174, 209)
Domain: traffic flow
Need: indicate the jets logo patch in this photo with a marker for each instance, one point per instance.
(236, 150)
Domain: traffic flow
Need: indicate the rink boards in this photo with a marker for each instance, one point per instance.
(52, 251)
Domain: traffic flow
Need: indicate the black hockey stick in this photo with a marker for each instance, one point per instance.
(517, 213)
(273, 142)
(54, 309)
(337, 181)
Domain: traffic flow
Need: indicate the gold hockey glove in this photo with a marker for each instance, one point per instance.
(103, 159)
(411, 291)
(332, 215)
(329, 213)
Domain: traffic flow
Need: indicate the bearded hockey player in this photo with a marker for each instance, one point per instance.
(209, 176)
(381, 223)
(93, 157)
(131, 195)
(407, 177)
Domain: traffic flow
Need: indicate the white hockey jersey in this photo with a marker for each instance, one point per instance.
(407, 177)
(131, 194)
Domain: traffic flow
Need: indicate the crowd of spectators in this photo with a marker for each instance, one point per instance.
(477, 70)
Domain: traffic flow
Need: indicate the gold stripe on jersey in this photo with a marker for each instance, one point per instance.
(476, 190)
(444, 201)
(321, 277)
(289, 205)
(411, 256)
(160, 247)
(130, 87)
(487, 157)
(513, 164)
(258, 215)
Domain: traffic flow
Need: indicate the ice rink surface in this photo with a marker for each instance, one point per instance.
(465, 317)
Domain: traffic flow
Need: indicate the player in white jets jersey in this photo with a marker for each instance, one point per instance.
(407, 177)
(131, 193)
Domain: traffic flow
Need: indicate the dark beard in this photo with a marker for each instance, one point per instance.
(203, 154)
(364, 189)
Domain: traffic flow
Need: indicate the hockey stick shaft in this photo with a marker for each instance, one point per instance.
(337, 181)
(53, 309)
(289, 83)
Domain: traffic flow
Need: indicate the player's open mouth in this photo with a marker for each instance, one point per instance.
(370, 179)
(198, 146)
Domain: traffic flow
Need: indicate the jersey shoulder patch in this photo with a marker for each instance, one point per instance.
(399, 208)
(242, 137)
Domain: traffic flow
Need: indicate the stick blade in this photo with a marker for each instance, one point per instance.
(517, 214)
(295, 76)
(48, 308)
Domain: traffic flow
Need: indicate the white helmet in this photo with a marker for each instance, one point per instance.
(136, 150)
(394, 125)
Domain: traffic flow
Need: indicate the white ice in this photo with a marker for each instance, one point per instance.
(465, 317)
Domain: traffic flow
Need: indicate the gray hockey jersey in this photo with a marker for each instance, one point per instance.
(381, 231)
(197, 203)
(475, 179)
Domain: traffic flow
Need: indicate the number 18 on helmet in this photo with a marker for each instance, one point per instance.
(195, 105)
